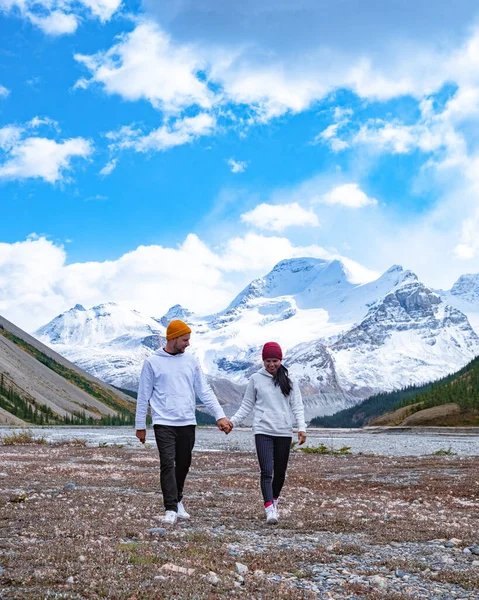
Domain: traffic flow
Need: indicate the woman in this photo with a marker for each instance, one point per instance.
(275, 400)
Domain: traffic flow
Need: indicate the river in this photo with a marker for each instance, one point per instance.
(385, 443)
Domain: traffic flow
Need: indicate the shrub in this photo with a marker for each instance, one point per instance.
(323, 449)
(22, 437)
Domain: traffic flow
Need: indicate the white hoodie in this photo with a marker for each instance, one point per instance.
(273, 412)
(170, 383)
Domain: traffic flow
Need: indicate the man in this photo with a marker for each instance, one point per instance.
(169, 382)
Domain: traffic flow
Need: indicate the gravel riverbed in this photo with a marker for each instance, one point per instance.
(384, 442)
(84, 522)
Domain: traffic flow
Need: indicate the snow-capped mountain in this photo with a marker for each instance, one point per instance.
(108, 340)
(98, 325)
(175, 312)
(464, 295)
(341, 340)
(411, 336)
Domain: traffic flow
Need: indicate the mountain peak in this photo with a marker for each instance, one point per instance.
(78, 307)
(297, 264)
(97, 325)
(467, 287)
(175, 312)
(395, 269)
(104, 305)
(399, 275)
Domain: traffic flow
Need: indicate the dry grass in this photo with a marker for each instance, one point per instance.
(21, 438)
(97, 532)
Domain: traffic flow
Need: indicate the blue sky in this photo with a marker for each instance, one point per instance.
(154, 153)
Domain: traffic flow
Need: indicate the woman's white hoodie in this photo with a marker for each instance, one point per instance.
(274, 413)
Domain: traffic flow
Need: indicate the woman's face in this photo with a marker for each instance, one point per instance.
(272, 365)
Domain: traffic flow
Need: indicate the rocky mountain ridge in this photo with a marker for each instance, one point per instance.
(343, 341)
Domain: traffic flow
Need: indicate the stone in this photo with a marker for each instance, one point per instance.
(400, 573)
(334, 547)
(475, 563)
(82, 558)
(212, 578)
(379, 582)
(218, 529)
(176, 569)
(241, 569)
(69, 487)
(70, 579)
(455, 541)
(447, 560)
(157, 531)
(474, 549)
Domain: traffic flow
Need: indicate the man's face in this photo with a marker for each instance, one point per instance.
(272, 365)
(181, 344)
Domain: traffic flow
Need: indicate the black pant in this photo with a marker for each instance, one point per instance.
(175, 445)
(273, 456)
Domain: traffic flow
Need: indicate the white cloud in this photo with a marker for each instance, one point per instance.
(60, 17)
(103, 9)
(468, 246)
(237, 166)
(26, 156)
(330, 134)
(211, 71)
(36, 283)
(55, 23)
(177, 133)
(277, 217)
(39, 122)
(29, 272)
(257, 254)
(348, 194)
(4, 92)
(147, 64)
(109, 167)
(9, 137)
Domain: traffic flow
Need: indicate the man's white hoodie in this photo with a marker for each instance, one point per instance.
(170, 383)
(274, 413)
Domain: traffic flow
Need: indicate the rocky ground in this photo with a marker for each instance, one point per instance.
(80, 522)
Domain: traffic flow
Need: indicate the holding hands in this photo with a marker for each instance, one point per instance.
(225, 425)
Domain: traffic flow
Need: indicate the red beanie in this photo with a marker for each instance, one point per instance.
(272, 350)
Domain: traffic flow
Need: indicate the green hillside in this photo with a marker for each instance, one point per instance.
(461, 388)
(369, 409)
(23, 404)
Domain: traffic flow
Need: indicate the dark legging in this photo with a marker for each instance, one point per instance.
(273, 456)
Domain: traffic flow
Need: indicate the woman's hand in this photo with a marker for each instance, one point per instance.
(301, 437)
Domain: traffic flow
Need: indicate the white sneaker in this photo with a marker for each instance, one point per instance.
(169, 518)
(271, 515)
(182, 514)
(276, 508)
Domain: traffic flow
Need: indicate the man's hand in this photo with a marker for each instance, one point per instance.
(141, 435)
(301, 437)
(225, 425)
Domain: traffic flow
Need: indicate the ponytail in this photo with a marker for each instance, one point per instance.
(282, 379)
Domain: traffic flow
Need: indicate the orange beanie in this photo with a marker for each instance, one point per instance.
(176, 329)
